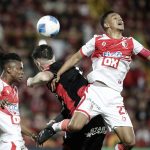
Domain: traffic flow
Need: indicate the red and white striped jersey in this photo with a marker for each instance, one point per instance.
(9, 116)
(110, 58)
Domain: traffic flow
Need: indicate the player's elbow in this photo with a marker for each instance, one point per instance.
(44, 77)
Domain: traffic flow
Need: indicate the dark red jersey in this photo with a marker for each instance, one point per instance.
(70, 87)
(69, 90)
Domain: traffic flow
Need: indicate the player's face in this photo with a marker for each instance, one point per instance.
(114, 21)
(43, 64)
(16, 70)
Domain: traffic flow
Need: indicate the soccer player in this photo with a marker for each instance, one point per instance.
(111, 56)
(10, 129)
(69, 90)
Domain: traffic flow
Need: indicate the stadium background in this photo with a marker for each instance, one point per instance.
(79, 20)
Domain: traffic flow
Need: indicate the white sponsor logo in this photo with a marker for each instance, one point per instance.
(112, 54)
(13, 109)
(111, 62)
(96, 130)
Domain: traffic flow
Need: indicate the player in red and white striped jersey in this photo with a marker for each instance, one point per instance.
(111, 57)
(10, 128)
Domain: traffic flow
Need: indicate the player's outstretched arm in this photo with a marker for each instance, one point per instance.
(40, 78)
(144, 53)
(72, 61)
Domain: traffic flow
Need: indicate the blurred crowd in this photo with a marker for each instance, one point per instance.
(79, 21)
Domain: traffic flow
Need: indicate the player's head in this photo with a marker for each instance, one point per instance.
(112, 20)
(43, 56)
(12, 66)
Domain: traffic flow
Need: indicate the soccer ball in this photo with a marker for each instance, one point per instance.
(48, 26)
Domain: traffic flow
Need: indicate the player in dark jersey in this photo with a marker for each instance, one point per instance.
(69, 90)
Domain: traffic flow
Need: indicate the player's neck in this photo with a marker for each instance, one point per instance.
(114, 34)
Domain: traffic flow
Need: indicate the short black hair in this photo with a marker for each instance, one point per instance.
(104, 16)
(43, 51)
(6, 58)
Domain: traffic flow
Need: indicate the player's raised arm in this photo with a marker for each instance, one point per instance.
(73, 60)
(40, 78)
(144, 53)
(140, 50)
(148, 58)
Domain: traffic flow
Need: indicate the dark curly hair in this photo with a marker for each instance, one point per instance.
(6, 58)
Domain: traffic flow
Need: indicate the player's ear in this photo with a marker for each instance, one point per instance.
(37, 63)
(8, 70)
(106, 25)
(53, 59)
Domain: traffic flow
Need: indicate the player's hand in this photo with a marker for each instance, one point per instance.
(54, 82)
(29, 82)
(51, 122)
(4, 103)
(45, 134)
(57, 78)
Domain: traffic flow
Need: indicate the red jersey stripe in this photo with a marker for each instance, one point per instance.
(64, 95)
(13, 147)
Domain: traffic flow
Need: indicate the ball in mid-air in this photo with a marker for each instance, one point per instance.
(48, 26)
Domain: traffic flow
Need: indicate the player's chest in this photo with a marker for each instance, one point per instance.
(114, 48)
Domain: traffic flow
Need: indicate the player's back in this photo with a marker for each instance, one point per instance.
(9, 116)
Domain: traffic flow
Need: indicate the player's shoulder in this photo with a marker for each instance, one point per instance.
(131, 40)
(101, 37)
(57, 63)
(127, 38)
(55, 66)
(3, 83)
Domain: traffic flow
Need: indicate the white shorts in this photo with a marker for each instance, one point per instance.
(12, 145)
(100, 99)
